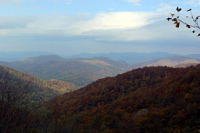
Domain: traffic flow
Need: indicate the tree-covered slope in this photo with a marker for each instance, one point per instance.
(38, 90)
(154, 99)
(20, 94)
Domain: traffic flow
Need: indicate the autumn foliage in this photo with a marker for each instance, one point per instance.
(150, 99)
(20, 94)
(154, 99)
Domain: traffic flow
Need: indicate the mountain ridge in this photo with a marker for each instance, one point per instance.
(79, 71)
(19, 55)
(172, 61)
(129, 57)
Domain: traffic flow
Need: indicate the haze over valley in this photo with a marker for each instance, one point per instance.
(89, 68)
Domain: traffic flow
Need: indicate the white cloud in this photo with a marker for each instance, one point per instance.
(64, 1)
(118, 20)
(134, 1)
(104, 28)
(194, 2)
(2, 2)
(113, 26)
(166, 8)
(81, 24)
(118, 25)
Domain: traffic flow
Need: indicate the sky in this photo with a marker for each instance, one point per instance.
(70, 27)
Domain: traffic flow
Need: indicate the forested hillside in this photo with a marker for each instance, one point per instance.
(21, 93)
(154, 99)
(38, 91)
(150, 99)
(89, 66)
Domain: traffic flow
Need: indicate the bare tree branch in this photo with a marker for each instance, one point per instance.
(177, 20)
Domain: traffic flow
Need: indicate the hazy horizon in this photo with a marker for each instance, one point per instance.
(52, 53)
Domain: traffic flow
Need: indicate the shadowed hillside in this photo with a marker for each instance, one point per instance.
(150, 99)
(154, 99)
(37, 90)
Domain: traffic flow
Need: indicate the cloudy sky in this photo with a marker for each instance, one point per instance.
(71, 27)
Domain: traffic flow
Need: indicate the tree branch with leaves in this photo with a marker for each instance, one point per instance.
(177, 21)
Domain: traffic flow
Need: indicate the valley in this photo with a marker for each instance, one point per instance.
(78, 71)
(83, 71)
(99, 94)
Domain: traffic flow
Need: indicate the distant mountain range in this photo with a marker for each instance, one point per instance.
(172, 61)
(129, 57)
(133, 57)
(14, 55)
(82, 71)
(79, 71)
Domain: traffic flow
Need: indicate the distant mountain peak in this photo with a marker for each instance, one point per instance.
(172, 61)
(43, 58)
(97, 62)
